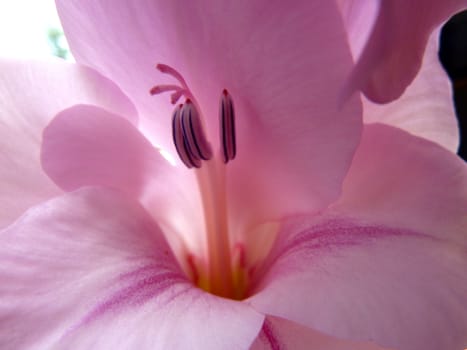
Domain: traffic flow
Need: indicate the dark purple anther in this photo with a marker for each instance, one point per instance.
(180, 141)
(193, 133)
(227, 121)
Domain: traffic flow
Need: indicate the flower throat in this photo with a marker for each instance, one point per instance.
(223, 273)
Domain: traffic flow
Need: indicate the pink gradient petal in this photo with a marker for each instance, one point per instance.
(132, 38)
(386, 263)
(281, 334)
(359, 18)
(91, 269)
(31, 93)
(392, 58)
(426, 108)
(394, 287)
(266, 55)
(404, 181)
(86, 145)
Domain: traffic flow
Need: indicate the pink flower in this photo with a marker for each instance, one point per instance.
(334, 234)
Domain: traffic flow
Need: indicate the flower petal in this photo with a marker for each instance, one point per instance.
(132, 38)
(265, 54)
(426, 108)
(31, 93)
(391, 59)
(278, 334)
(363, 282)
(404, 181)
(359, 18)
(91, 269)
(386, 263)
(86, 145)
(89, 146)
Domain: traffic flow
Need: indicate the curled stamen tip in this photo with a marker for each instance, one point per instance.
(162, 67)
(176, 96)
(155, 90)
(166, 69)
(225, 92)
(163, 88)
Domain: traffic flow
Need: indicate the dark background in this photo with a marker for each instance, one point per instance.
(453, 56)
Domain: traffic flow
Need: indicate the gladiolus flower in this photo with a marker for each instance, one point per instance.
(283, 221)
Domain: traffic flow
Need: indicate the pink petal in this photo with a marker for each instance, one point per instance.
(394, 287)
(278, 334)
(404, 181)
(91, 269)
(272, 58)
(359, 18)
(387, 262)
(86, 145)
(131, 39)
(31, 93)
(391, 58)
(426, 108)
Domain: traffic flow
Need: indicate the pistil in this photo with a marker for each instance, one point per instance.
(211, 180)
(195, 152)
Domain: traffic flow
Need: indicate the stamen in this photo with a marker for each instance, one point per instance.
(227, 120)
(180, 141)
(188, 135)
(193, 132)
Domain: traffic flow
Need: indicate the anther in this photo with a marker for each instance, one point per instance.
(180, 141)
(197, 144)
(187, 130)
(227, 121)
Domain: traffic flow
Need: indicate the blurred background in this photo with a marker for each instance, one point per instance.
(31, 29)
(453, 56)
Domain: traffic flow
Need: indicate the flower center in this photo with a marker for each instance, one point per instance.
(224, 273)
